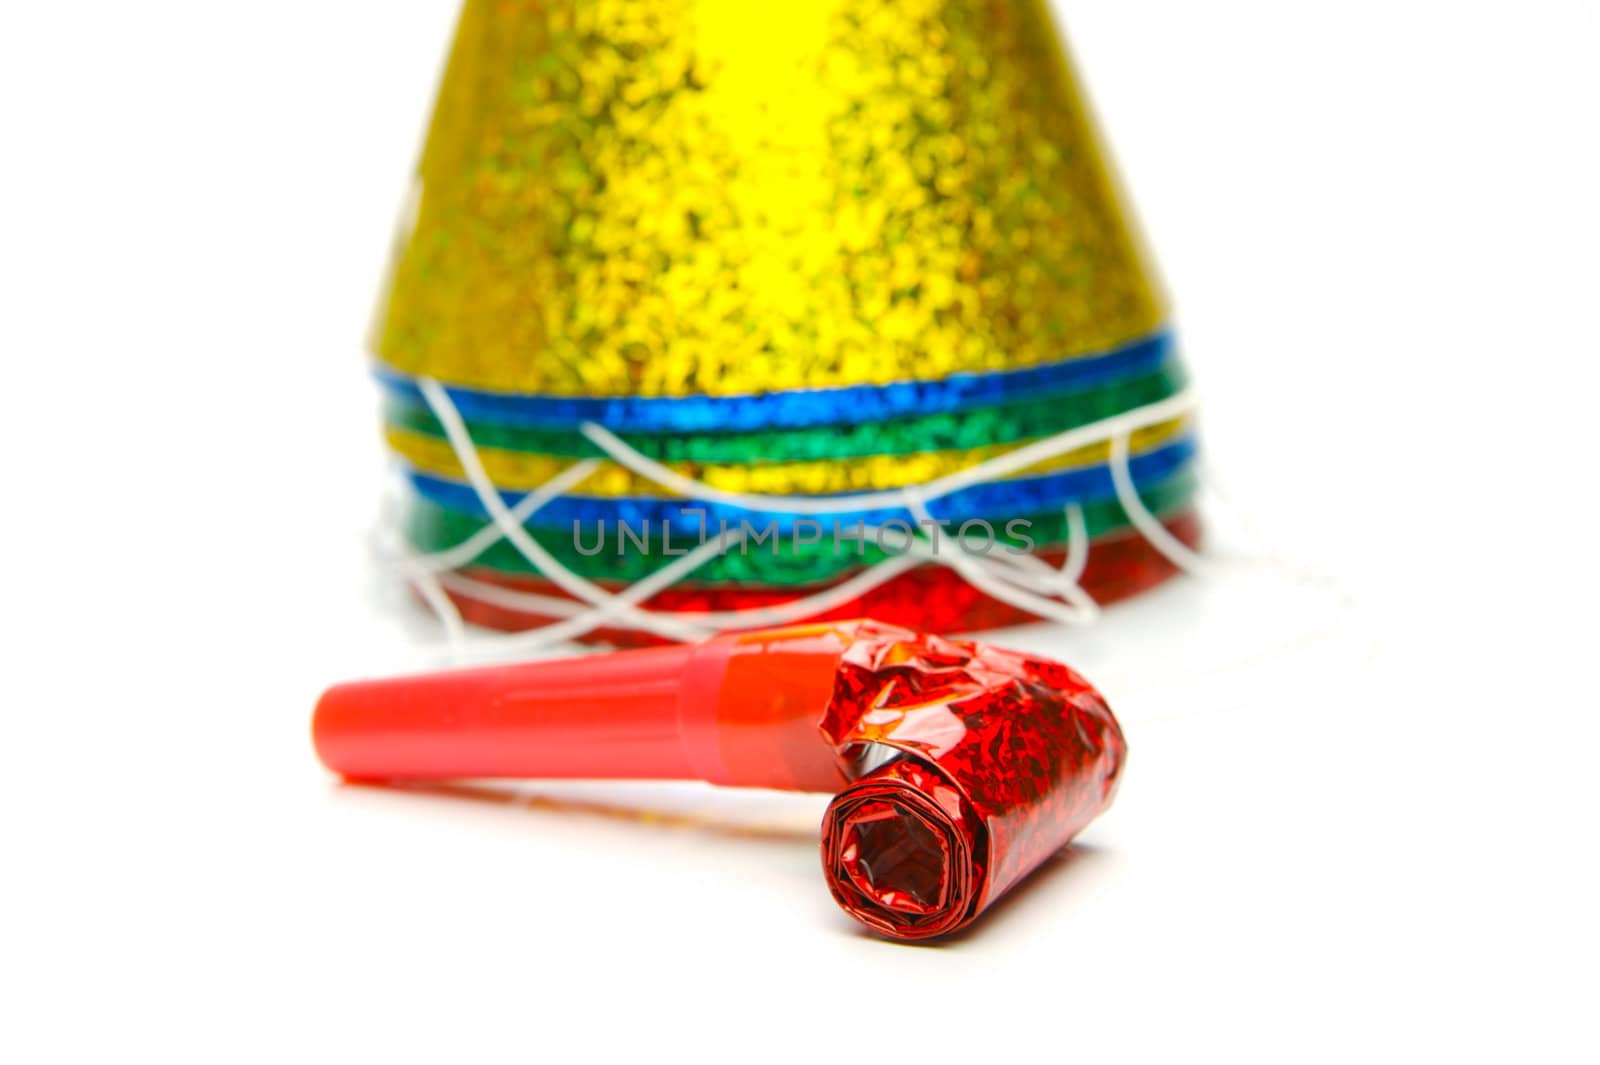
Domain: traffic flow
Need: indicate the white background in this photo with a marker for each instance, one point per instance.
(1360, 812)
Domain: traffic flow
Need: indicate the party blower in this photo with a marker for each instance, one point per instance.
(959, 768)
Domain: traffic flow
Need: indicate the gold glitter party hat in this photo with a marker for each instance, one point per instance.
(684, 263)
(669, 197)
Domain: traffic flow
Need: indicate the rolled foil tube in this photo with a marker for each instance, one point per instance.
(905, 852)
(997, 759)
(1003, 758)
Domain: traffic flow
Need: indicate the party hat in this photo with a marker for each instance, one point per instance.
(847, 281)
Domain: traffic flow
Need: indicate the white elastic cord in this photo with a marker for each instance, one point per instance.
(751, 617)
(513, 599)
(479, 542)
(433, 594)
(1175, 550)
(1126, 423)
(1007, 578)
(918, 552)
(582, 619)
(423, 570)
(587, 621)
(974, 573)
(1077, 559)
(390, 547)
(578, 587)
(1037, 574)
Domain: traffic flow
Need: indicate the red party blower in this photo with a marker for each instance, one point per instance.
(958, 767)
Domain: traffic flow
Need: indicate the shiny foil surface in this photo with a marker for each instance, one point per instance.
(619, 558)
(1001, 759)
(825, 249)
(644, 198)
(1120, 565)
(974, 427)
(522, 471)
(995, 501)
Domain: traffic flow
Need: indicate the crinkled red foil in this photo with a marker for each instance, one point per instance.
(932, 598)
(1002, 759)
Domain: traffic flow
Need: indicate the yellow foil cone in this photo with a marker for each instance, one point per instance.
(678, 197)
